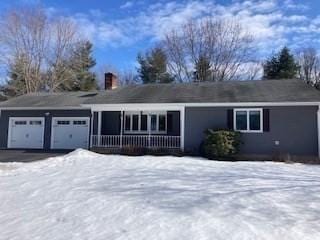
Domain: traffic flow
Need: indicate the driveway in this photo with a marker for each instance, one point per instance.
(27, 155)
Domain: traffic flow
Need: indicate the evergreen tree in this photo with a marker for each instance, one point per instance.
(281, 66)
(82, 62)
(202, 67)
(16, 84)
(153, 67)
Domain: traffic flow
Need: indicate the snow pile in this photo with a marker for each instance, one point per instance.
(84, 195)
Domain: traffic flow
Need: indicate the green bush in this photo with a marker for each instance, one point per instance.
(221, 144)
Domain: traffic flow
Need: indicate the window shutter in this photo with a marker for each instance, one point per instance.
(169, 123)
(266, 120)
(230, 119)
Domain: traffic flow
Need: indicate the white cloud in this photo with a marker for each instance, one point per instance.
(269, 21)
(126, 5)
(293, 5)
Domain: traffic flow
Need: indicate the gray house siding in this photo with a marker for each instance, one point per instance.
(6, 114)
(294, 127)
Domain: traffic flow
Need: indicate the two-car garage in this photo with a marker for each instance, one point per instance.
(39, 133)
(46, 121)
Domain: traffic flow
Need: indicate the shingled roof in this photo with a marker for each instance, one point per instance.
(42, 100)
(221, 92)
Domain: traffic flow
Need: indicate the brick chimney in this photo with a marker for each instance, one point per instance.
(110, 81)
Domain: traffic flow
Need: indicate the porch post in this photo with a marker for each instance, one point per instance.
(318, 123)
(91, 128)
(99, 128)
(182, 127)
(149, 129)
(121, 128)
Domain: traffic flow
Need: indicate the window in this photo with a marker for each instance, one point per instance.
(135, 122)
(248, 120)
(127, 123)
(241, 120)
(35, 123)
(153, 122)
(142, 122)
(254, 120)
(80, 122)
(20, 122)
(162, 123)
(61, 122)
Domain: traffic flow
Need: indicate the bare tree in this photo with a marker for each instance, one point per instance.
(42, 46)
(177, 61)
(24, 37)
(224, 43)
(128, 77)
(63, 40)
(125, 77)
(251, 71)
(309, 62)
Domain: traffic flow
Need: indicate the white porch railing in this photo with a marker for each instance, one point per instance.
(143, 141)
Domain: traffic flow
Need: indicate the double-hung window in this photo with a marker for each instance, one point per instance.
(158, 122)
(135, 122)
(248, 120)
(142, 122)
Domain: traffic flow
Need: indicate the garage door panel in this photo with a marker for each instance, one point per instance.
(70, 133)
(26, 133)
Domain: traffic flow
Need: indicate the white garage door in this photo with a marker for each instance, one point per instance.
(70, 133)
(26, 133)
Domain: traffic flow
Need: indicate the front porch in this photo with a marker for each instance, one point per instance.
(138, 128)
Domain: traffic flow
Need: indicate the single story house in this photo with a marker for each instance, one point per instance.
(275, 116)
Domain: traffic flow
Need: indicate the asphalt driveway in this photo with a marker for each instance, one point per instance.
(27, 155)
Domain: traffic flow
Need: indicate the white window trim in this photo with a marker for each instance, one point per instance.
(130, 114)
(248, 119)
(148, 113)
(157, 123)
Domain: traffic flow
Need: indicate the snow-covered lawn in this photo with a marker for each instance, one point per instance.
(85, 195)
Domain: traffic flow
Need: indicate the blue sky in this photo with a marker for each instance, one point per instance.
(121, 29)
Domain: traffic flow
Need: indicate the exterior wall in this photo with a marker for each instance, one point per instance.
(294, 127)
(6, 114)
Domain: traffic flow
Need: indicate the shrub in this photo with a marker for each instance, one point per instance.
(220, 144)
(133, 150)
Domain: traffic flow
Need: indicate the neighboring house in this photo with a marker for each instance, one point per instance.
(275, 116)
